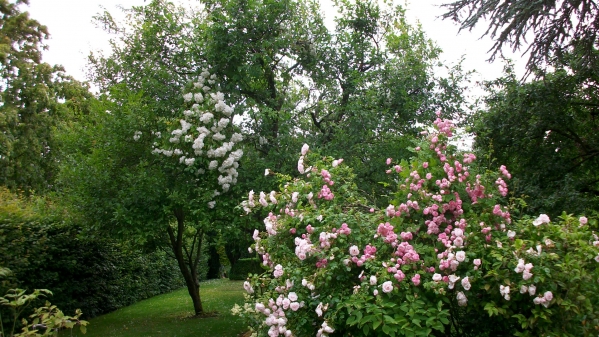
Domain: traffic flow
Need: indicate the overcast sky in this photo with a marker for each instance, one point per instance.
(73, 35)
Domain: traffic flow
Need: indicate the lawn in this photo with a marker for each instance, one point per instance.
(169, 315)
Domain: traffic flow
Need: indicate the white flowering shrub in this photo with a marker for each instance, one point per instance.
(204, 140)
(445, 258)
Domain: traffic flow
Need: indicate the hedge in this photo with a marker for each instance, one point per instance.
(243, 267)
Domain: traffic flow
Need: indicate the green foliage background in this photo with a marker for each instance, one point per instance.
(44, 248)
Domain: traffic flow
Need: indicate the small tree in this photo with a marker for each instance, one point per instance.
(156, 179)
(200, 159)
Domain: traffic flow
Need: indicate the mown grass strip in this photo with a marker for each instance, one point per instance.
(170, 315)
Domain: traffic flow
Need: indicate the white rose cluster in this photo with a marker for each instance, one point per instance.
(205, 132)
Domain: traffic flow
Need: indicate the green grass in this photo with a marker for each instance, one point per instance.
(169, 315)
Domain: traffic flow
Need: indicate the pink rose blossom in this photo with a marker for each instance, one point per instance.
(278, 271)
(387, 287)
(416, 279)
(532, 290)
(305, 149)
(294, 306)
(466, 283)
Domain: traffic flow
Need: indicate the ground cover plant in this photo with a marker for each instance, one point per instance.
(445, 258)
(171, 315)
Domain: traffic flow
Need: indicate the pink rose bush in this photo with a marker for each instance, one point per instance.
(445, 255)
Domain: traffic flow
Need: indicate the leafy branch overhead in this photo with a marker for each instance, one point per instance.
(547, 29)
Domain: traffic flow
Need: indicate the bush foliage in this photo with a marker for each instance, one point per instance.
(43, 249)
(445, 258)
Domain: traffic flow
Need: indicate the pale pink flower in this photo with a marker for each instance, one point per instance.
(375, 292)
(373, 280)
(520, 267)
(462, 299)
(543, 218)
(460, 256)
(505, 291)
(388, 161)
(532, 289)
(294, 306)
(523, 289)
(336, 162)
(272, 197)
(466, 283)
(477, 262)
(583, 220)
(292, 296)
(262, 200)
(248, 287)
(300, 165)
(326, 328)
(437, 277)
(458, 242)
(260, 307)
(387, 287)
(278, 271)
(452, 280)
(319, 309)
(354, 250)
(305, 149)
(548, 295)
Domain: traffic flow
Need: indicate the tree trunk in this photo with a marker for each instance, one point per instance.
(189, 273)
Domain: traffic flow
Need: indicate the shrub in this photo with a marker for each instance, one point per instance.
(243, 267)
(46, 320)
(44, 249)
(445, 258)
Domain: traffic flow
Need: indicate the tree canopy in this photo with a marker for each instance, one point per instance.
(35, 97)
(545, 131)
(554, 28)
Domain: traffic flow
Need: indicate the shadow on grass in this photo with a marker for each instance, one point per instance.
(172, 315)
